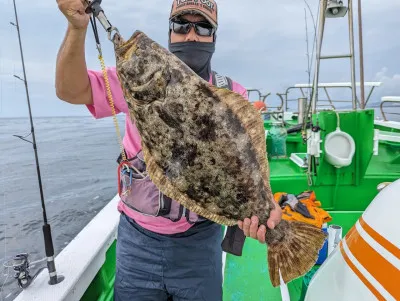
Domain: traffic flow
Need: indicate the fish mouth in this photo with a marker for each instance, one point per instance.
(120, 44)
(136, 35)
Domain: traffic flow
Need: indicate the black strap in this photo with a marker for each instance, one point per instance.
(233, 241)
(221, 81)
(119, 159)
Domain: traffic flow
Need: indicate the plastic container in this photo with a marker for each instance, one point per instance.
(335, 234)
(323, 253)
(276, 143)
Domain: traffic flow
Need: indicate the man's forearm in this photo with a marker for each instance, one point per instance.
(72, 82)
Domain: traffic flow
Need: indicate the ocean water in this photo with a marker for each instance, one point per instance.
(78, 168)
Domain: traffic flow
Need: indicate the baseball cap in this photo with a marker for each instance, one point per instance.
(207, 8)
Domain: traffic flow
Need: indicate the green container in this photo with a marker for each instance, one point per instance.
(276, 141)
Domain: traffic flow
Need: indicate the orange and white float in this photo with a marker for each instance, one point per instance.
(366, 263)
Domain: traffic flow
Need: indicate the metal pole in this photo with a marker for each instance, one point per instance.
(339, 56)
(363, 103)
(319, 47)
(353, 66)
(301, 109)
(46, 227)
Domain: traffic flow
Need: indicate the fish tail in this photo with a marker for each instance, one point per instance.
(293, 249)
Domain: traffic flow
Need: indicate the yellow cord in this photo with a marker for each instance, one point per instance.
(110, 99)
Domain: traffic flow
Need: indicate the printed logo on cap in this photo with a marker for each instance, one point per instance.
(206, 4)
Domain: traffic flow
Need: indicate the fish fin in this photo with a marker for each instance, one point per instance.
(167, 188)
(252, 121)
(296, 251)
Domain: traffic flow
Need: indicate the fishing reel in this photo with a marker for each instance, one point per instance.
(21, 268)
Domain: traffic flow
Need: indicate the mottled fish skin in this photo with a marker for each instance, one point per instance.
(205, 148)
(198, 142)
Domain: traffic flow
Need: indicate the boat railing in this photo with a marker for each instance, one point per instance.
(329, 102)
(394, 102)
(263, 98)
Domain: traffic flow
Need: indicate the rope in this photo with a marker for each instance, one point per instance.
(111, 101)
(108, 88)
(124, 165)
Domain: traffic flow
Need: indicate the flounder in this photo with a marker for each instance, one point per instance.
(205, 148)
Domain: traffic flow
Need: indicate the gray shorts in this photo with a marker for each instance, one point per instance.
(154, 267)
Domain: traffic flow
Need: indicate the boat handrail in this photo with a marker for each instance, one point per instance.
(338, 85)
(390, 99)
(263, 98)
(249, 90)
(285, 99)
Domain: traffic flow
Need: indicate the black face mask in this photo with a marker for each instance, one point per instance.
(197, 55)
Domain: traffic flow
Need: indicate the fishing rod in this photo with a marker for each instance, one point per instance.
(21, 264)
(20, 261)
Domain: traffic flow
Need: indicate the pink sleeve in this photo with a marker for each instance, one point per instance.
(101, 105)
(238, 88)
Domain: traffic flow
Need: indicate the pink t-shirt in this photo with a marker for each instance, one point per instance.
(132, 142)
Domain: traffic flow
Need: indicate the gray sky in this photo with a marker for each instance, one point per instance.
(261, 45)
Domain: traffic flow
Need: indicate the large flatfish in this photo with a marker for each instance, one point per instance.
(205, 148)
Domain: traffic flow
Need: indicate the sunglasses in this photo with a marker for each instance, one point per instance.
(201, 28)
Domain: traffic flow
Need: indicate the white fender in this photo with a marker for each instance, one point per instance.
(366, 263)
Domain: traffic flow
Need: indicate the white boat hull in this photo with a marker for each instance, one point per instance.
(80, 261)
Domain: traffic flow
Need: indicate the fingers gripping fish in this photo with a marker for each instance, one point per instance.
(205, 148)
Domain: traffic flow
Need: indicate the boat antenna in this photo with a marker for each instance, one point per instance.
(314, 40)
(20, 261)
(308, 106)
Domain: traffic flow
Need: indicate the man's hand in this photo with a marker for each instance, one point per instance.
(250, 227)
(74, 11)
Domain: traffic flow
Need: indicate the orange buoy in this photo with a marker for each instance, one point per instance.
(260, 105)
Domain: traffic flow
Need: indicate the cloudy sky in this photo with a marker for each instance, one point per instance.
(261, 45)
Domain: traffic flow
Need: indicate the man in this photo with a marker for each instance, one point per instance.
(162, 256)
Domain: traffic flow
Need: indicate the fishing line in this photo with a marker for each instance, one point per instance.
(306, 115)
(315, 29)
